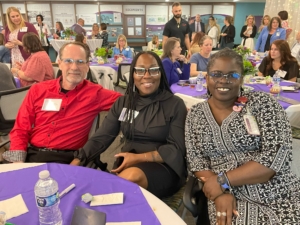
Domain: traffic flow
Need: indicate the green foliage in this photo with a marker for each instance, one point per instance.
(103, 52)
(69, 32)
(249, 66)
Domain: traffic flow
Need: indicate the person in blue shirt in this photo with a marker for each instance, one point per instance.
(122, 47)
(175, 65)
(270, 33)
(4, 52)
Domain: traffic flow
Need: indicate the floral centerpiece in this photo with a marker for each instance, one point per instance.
(102, 54)
(69, 32)
(249, 65)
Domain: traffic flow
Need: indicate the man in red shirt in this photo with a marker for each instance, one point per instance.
(56, 115)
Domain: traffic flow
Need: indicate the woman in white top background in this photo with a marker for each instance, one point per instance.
(43, 31)
(213, 31)
(248, 32)
(153, 44)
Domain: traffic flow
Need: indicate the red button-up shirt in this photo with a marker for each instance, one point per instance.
(67, 128)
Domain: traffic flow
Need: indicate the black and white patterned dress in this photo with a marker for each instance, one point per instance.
(226, 147)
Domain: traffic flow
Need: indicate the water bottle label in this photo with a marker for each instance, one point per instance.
(47, 201)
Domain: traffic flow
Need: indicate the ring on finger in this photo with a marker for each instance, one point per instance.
(223, 213)
(218, 214)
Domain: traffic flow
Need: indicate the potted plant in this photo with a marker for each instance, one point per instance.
(69, 33)
(103, 53)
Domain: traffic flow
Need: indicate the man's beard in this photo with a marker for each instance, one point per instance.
(177, 16)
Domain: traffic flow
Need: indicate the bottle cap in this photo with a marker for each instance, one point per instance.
(44, 174)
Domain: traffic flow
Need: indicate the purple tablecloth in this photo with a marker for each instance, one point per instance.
(134, 208)
(257, 87)
(112, 65)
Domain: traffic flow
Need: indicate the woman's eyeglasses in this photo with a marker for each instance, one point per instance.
(231, 76)
(153, 71)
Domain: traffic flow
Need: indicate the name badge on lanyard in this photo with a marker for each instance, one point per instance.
(24, 29)
(123, 116)
(51, 104)
(251, 123)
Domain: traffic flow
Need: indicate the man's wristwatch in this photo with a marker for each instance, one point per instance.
(224, 183)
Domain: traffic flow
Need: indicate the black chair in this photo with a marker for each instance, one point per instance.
(123, 77)
(10, 102)
(195, 201)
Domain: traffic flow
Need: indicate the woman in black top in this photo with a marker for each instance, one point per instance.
(280, 58)
(248, 33)
(152, 121)
(59, 27)
(104, 35)
(227, 33)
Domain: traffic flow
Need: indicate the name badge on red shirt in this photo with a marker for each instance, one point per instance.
(51, 104)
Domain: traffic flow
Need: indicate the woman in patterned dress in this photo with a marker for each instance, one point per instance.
(14, 32)
(247, 175)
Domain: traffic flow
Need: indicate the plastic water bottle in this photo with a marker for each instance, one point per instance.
(276, 79)
(47, 200)
(199, 82)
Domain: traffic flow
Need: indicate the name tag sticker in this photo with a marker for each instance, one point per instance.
(251, 124)
(127, 49)
(277, 34)
(51, 104)
(23, 29)
(123, 115)
(281, 73)
(179, 70)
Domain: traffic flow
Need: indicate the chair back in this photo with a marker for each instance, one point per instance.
(123, 77)
(104, 76)
(144, 48)
(189, 101)
(10, 102)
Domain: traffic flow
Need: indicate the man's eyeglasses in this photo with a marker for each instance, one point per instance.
(231, 76)
(78, 62)
(153, 71)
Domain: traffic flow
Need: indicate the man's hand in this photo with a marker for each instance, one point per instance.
(75, 162)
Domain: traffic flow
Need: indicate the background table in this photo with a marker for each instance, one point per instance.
(135, 207)
(293, 111)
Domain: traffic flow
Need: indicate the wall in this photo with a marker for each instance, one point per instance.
(241, 11)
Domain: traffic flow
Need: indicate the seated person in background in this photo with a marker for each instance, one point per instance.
(154, 152)
(195, 45)
(122, 47)
(279, 58)
(246, 171)
(284, 15)
(38, 66)
(153, 44)
(175, 65)
(56, 115)
(7, 81)
(4, 52)
(295, 51)
(81, 38)
(95, 31)
(59, 27)
(104, 35)
(199, 60)
(78, 27)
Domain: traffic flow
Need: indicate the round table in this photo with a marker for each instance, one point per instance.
(139, 204)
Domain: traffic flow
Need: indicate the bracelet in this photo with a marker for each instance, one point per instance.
(230, 188)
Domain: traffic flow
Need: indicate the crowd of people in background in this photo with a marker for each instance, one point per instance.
(162, 138)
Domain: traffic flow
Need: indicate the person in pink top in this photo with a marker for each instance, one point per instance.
(38, 66)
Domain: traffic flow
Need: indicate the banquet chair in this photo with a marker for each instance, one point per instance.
(189, 100)
(10, 102)
(122, 78)
(144, 48)
(55, 69)
(104, 76)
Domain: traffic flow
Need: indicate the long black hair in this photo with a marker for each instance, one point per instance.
(132, 96)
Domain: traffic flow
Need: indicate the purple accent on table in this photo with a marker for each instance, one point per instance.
(95, 182)
(258, 87)
(18, 83)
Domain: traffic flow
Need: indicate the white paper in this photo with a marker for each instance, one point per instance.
(138, 21)
(117, 17)
(130, 30)
(287, 88)
(124, 223)
(13, 207)
(107, 199)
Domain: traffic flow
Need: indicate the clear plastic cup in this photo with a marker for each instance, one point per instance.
(2, 218)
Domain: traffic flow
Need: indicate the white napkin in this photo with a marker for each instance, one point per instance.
(287, 88)
(13, 207)
(107, 199)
